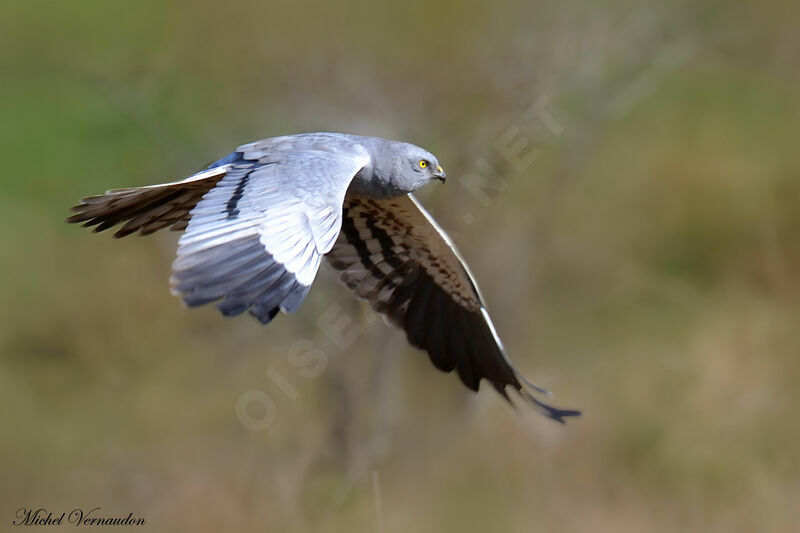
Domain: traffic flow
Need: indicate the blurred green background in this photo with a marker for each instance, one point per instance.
(644, 267)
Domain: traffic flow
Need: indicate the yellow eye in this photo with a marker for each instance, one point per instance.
(423, 163)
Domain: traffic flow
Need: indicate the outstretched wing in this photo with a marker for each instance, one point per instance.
(257, 222)
(392, 253)
(255, 241)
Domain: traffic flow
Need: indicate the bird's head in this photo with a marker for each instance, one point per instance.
(415, 167)
(397, 168)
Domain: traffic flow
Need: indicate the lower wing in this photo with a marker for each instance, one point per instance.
(393, 254)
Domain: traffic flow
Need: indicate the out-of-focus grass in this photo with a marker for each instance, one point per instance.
(648, 270)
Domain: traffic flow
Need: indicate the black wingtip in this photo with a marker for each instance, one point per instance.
(264, 315)
(559, 415)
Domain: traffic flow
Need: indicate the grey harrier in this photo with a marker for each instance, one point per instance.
(258, 222)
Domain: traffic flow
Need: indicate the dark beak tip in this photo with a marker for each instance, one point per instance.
(440, 173)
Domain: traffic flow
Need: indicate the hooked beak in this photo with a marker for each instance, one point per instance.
(440, 174)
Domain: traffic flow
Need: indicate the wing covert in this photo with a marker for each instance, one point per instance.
(255, 241)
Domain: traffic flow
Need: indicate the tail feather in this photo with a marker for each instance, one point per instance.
(145, 209)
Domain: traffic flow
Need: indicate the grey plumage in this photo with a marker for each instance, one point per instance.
(258, 222)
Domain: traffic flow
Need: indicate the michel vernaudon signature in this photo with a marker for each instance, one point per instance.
(76, 517)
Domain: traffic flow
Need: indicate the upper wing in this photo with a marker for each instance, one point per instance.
(392, 253)
(257, 222)
(256, 240)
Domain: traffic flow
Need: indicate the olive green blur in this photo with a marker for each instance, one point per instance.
(623, 177)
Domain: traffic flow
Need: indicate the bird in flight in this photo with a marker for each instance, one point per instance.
(258, 222)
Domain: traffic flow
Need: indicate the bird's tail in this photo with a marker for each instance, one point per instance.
(146, 209)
